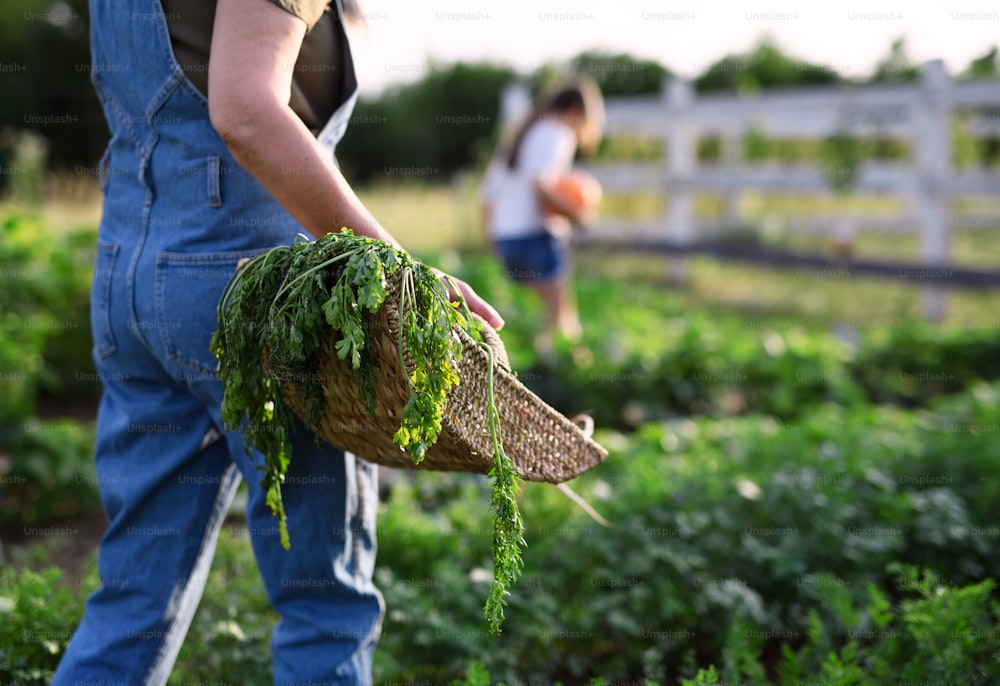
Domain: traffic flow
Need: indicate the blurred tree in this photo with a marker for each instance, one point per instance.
(896, 67)
(547, 76)
(766, 66)
(620, 74)
(429, 129)
(45, 79)
(983, 67)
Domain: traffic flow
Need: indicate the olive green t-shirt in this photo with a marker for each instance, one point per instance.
(316, 84)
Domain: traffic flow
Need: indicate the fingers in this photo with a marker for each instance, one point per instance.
(472, 299)
(475, 303)
(483, 309)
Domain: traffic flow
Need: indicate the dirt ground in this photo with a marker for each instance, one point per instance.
(69, 544)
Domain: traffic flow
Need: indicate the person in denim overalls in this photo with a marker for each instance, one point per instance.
(198, 184)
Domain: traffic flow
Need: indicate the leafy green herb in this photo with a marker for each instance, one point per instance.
(508, 528)
(273, 316)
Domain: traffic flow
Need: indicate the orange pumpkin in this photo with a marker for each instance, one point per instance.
(578, 189)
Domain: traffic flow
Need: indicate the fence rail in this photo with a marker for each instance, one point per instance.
(922, 114)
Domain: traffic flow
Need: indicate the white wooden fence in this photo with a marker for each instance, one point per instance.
(922, 114)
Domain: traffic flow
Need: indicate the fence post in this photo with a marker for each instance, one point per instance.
(731, 158)
(680, 161)
(932, 136)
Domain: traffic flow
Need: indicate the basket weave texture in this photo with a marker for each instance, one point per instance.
(542, 443)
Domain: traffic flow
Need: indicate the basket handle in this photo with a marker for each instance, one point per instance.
(586, 424)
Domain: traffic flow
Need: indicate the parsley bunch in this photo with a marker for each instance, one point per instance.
(273, 316)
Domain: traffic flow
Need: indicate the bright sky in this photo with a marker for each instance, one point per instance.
(847, 35)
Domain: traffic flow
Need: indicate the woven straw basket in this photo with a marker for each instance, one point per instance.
(542, 443)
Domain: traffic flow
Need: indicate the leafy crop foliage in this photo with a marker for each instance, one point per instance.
(45, 342)
(721, 526)
(44, 367)
(37, 619)
(777, 539)
(763, 548)
(935, 633)
(654, 361)
(702, 369)
(51, 472)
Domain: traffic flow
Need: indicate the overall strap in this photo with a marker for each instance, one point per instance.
(132, 56)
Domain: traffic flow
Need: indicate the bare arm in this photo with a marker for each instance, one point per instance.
(547, 196)
(254, 48)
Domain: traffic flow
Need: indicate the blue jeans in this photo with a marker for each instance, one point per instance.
(178, 214)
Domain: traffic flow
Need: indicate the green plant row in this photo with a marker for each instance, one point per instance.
(45, 336)
(936, 634)
(720, 526)
(46, 465)
(774, 551)
(704, 370)
(654, 359)
(651, 360)
(50, 475)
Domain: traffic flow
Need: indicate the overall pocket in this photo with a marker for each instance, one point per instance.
(188, 288)
(100, 299)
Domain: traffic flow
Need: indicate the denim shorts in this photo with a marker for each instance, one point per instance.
(536, 257)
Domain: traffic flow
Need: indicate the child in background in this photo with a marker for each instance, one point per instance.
(520, 185)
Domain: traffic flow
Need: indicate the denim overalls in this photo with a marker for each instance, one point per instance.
(178, 214)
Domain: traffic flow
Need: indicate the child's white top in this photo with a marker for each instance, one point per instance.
(547, 151)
